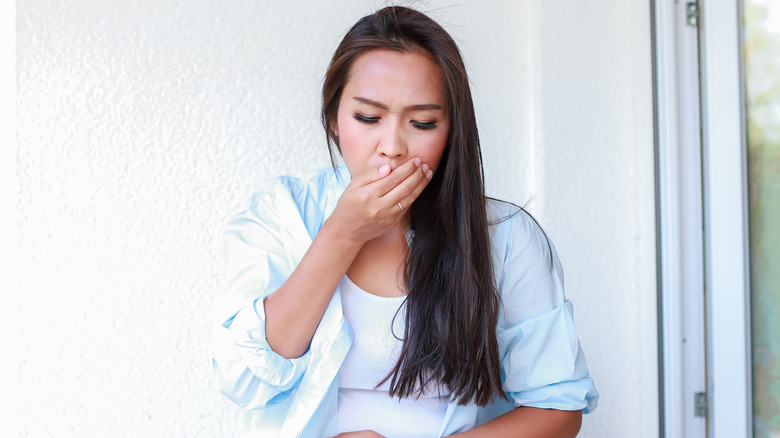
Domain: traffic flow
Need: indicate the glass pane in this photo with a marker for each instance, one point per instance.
(762, 68)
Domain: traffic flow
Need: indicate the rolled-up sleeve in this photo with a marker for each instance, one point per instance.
(544, 365)
(244, 366)
(541, 358)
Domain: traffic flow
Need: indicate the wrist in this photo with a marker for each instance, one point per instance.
(339, 238)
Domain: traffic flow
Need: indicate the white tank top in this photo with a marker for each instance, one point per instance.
(372, 355)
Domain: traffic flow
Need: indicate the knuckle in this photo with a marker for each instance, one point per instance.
(364, 198)
(374, 212)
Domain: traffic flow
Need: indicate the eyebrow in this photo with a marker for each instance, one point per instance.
(420, 107)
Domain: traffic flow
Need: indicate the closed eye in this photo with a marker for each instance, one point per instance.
(424, 126)
(366, 119)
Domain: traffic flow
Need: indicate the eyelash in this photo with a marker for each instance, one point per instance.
(365, 119)
(422, 126)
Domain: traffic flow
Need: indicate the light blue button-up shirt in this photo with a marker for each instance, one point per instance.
(541, 361)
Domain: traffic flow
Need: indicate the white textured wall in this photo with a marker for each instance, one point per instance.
(143, 125)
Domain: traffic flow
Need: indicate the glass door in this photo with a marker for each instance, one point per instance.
(761, 51)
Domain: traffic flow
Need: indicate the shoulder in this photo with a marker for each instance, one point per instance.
(528, 273)
(292, 202)
(512, 227)
(304, 186)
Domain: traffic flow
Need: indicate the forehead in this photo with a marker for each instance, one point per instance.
(398, 76)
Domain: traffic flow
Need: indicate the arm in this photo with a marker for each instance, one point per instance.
(293, 311)
(528, 422)
(262, 262)
(544, 369)
(367, 209)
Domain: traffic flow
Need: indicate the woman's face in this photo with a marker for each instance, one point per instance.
(392, 109)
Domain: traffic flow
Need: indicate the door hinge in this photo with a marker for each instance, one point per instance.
(700, 404)
(692, 13)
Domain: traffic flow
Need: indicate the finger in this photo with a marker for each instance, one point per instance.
(409, 189)
(372, 175)
(382, 172)
(397, 176)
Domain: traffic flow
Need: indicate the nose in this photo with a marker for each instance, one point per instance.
(392, 144)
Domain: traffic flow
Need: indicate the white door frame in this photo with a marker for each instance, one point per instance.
(680, 221)
(719, 350)
(726, 222)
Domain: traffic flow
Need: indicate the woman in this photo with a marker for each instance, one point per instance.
(391, 297)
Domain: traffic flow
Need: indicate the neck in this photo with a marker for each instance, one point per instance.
(379, 266)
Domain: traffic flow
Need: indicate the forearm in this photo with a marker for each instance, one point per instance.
(531, 423)
(294, 311)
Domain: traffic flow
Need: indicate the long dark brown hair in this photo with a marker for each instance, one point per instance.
(452, 302)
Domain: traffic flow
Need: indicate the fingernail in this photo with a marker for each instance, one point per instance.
(384, 170)
(429, 174)
(417, 161)
(425, 168)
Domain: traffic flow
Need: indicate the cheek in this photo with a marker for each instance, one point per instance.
(434, 149)
(350, 144)
(343, 131)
